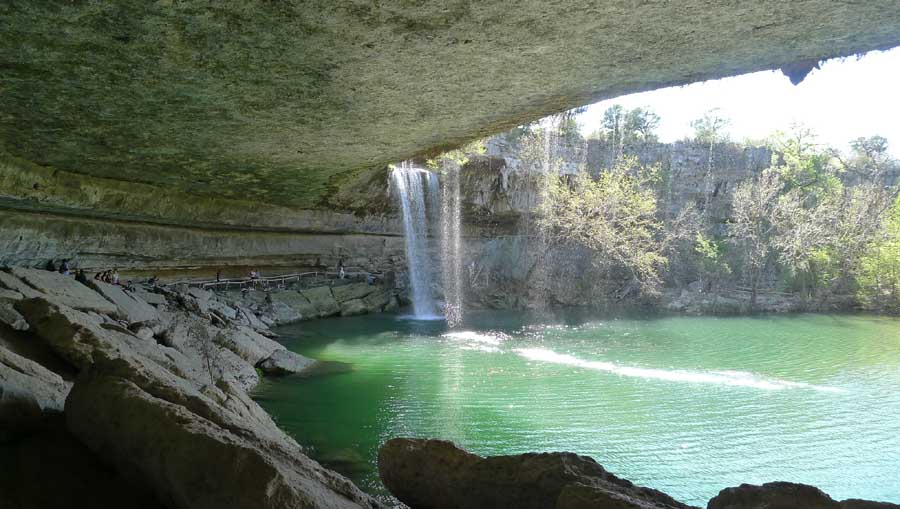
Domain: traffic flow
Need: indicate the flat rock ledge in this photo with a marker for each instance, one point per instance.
(435, 474)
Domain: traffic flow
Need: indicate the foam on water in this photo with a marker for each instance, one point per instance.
(728, 378)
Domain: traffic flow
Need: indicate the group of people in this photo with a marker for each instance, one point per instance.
(108, 276)
(65, 268)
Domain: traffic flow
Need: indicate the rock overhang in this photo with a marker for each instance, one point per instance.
(281, 101)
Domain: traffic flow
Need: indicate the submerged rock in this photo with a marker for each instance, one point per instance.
(436, 474)
(786, 495)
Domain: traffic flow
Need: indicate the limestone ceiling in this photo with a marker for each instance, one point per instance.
(275, 100)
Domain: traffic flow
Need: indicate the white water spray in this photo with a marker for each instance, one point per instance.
(408, 182)
(451, 255)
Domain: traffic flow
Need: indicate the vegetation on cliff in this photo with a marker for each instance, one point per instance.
(817, 225)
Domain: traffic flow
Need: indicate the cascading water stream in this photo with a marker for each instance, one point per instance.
(451, 256)
(408, 181)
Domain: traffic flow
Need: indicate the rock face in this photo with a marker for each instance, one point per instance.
(172, 417)
(436, 474)
(785, 495)
(296, 108)
(196, 454)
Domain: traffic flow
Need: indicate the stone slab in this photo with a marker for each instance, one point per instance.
(64, 290)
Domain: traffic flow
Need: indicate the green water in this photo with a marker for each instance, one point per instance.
(682, 404)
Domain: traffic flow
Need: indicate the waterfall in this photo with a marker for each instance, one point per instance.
(408, 181)
(451, 257)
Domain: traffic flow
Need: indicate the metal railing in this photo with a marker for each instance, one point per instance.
(267, 282)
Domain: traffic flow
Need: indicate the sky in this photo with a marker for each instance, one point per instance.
(845, 99)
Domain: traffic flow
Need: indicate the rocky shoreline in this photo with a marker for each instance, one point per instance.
(146, 392)
(140, 398)
(438, 475)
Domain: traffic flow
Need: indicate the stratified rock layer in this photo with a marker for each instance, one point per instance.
(278, 102)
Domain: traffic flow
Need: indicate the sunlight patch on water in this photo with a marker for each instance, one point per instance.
(729, 378)
(476, 337)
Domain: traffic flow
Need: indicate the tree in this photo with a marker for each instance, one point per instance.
(753, 225)
(879, 278)
(614, 217)
(803, 163)
(710, 128)
(641, 124)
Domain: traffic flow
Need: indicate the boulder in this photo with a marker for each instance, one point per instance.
(249, 344)
(322, 300)
(436, 474)
(377, 301)
(155, 299)
(285, 362)
(291, 306)
(200, 294)
(246, 316)
(11, 317)
(392, 304)
(131, 307)
(30, 394)
(64, 290)
(11, 283)
(354, 307)
(195, 453)
(785, 495)
(235, 369)
(344, 293)
(79, 339)
(9, 295)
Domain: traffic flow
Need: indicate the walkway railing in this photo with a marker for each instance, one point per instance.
(278, 281)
